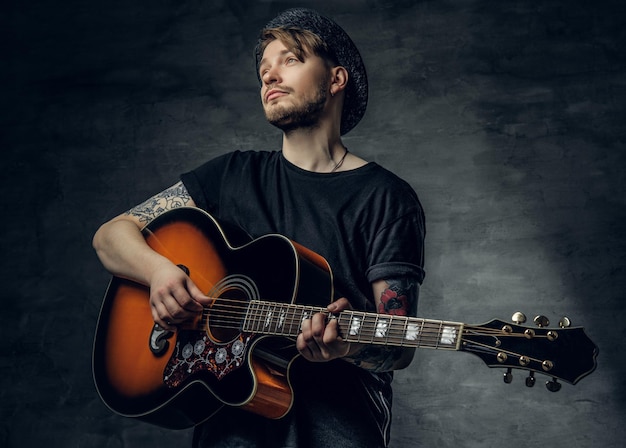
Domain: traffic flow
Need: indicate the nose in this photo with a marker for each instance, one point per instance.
(271, 75)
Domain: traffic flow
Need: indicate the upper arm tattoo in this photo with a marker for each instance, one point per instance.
(173, 197)
(399, 297)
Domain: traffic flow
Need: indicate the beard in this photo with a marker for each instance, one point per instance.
(302, 115)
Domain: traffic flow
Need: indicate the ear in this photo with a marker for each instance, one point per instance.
(338, 80)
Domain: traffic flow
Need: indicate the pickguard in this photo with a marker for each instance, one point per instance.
(199, 351)
(196, 352)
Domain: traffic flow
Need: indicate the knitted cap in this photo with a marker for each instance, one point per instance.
(345, 52)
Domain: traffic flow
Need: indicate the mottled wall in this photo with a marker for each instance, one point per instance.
(506, 117)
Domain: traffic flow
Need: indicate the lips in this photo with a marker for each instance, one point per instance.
(273, 94)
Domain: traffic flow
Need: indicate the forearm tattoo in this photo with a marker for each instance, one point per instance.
(399, 298)
(173, 197)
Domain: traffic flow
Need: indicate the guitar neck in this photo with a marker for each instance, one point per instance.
(281, 319)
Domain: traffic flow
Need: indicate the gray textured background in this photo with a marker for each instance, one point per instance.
(508, 118)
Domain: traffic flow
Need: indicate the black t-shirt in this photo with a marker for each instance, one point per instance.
(368, 223)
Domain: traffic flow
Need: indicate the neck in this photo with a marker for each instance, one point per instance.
(313, 149)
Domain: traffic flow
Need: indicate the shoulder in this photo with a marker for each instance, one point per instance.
(235, 160)
(386, 184)
(393, 201)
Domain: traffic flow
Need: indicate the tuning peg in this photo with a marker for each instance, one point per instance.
(530, 381)
(518, 317)
(553, 386)
(541, 321)
(508, 376)
(565, 322)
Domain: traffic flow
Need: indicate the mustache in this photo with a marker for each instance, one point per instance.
(278, 87)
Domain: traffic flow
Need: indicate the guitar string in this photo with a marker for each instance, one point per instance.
(242, 309)
(431, 340)
(508, 352)
(244, 305)
(429, 333)
(429, 328)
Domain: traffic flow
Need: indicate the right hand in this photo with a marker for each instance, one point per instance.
(174, 297)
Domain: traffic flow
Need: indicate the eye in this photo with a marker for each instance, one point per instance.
(291, 60)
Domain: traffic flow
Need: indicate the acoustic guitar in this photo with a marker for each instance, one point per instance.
(238, 352)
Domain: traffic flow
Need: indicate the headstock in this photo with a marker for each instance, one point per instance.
(563, 353)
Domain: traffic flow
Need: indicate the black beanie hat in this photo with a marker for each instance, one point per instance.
(345, 52)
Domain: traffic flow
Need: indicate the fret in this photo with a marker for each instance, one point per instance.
(448, 335)
(344, 327)
(305, 314)
(267, 317)
(260, 318)
(298, 317)
(420, 333)
(260, 321)
(279, 319)
(389, 329)
(291, 317)
(404, 332)
(273, 318)
(369, 326)
(381, 328)
(257, 317)
(413, 331)
(276, 313)
(248, 317)
(430, 333)
(397, 328)
(410, 332)
(438, 334)
(356, 324)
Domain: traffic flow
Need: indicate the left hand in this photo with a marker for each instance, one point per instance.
(319, 340)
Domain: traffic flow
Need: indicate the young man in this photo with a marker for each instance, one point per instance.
(364, 220)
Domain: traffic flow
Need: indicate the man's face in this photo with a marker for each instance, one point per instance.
(293, 92)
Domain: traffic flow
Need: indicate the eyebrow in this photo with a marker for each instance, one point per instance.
(282, 53)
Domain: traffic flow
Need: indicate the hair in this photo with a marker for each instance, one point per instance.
(300, 42)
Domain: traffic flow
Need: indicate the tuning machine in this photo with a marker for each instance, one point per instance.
(508, 376)
(541, 320)
(553, 385)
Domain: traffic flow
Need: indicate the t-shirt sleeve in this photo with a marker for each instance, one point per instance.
(204, 183)
(398, 248)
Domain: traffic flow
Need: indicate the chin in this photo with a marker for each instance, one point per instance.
(291, 119)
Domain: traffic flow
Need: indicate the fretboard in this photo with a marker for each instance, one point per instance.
(281, 319)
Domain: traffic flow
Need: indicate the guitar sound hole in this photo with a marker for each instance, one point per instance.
(226, 315)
